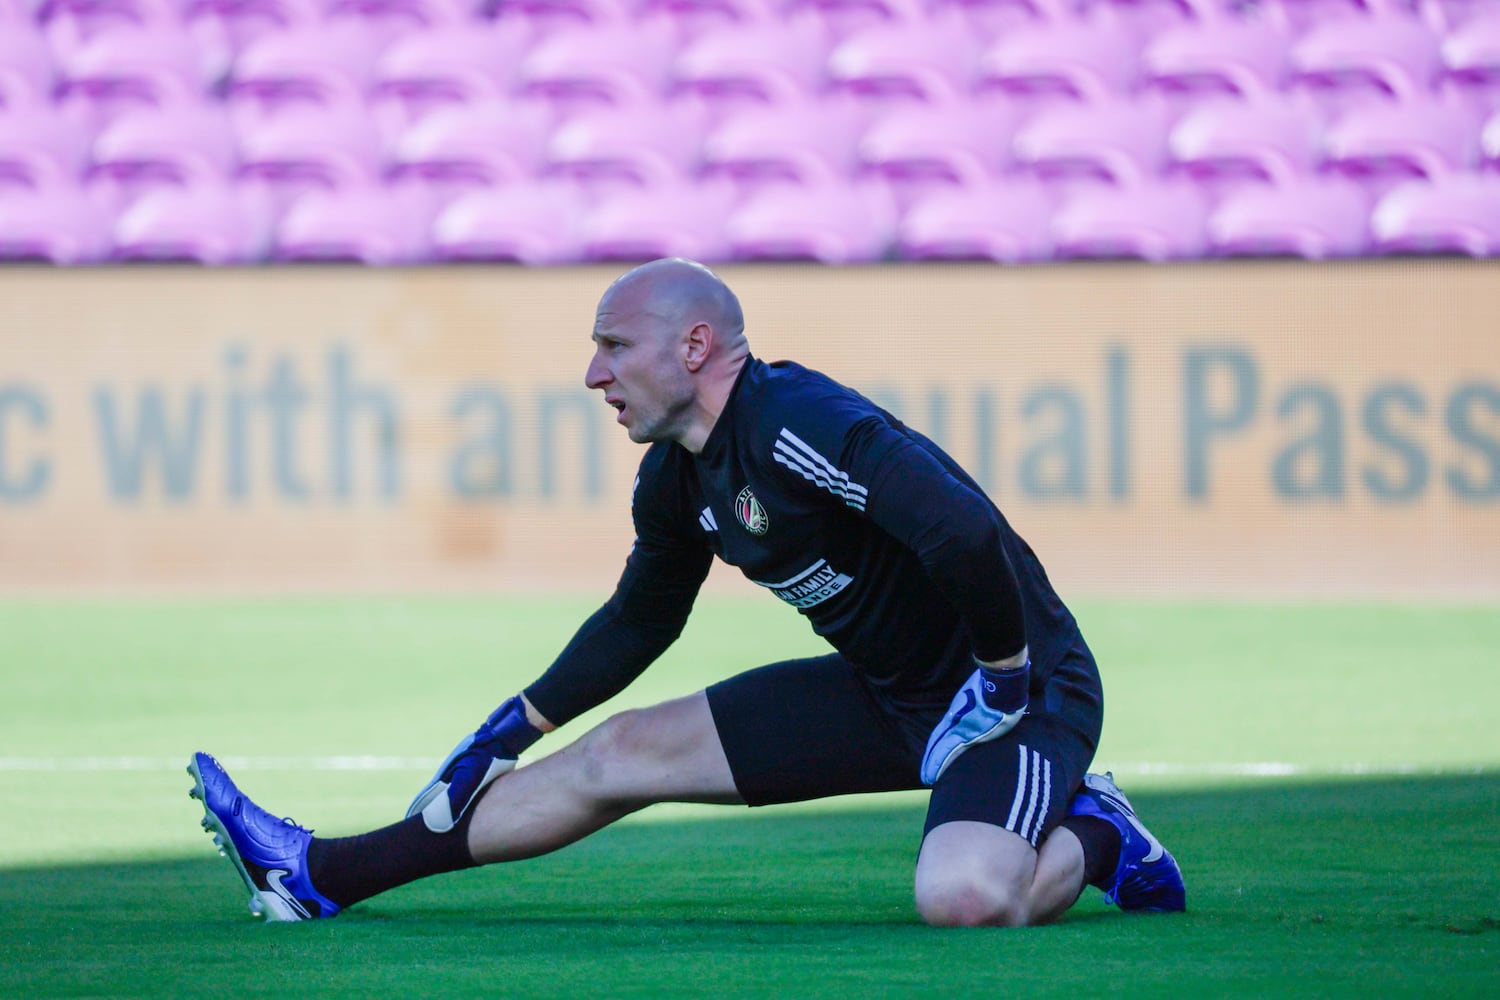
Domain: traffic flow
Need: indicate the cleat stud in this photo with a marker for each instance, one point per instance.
(203, 822)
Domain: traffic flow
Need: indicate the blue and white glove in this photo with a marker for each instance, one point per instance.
(479, 759)
(987, 707)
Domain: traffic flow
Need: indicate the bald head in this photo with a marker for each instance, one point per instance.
(670, 343)
(679, 294)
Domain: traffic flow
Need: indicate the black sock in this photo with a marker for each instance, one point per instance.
(1101, 847)
(349, 869)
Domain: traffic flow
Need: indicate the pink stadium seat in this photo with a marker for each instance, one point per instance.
(309, 150)
(1111, 143)
(56, 224)
(957, 144)
(1303, 16)
(241, 23)
(1009, 222)
(367, 224)
(923, 61)
(832, 224)
(547, 17)
(1445, 16)
(1069, 62)
(610, 66)
(1153, 221)
(127, 70)
(388, 20)
(445, 67)
(1270, 141)
(455, 151)
(211, 224)
(1489, 144)
(812, 144)
(1311, 217)
(1146, 19)
(532, 223)
(1385, 145)
(1215, 59)
(991, 19)
(695, 18)
(633, 147)
(151, 149)
(323, 66)
(1471, 62)
(40, 149)
(685, 221)
(761, 65)
(22, 98)
(844, 18)
(71, 24)
(16, 12)
(1350, 63)
(1456, 214)
(27, 73)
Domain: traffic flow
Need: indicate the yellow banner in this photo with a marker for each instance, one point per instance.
(1237, 429)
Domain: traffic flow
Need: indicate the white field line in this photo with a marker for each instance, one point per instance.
(1278, 769)
(369, 762)
(334, 763)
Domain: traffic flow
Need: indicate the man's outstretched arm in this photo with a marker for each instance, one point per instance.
(613, 647)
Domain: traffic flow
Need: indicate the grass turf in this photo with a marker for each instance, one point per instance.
(1303, 886)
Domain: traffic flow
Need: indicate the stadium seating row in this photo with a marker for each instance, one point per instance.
(406, 130)
(549, 222)
(229, 25)
(1265, 140)
(95, 75)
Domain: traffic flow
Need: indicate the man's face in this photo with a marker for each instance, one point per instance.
(638, 365)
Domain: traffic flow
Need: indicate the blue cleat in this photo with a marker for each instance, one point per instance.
(1147, 877)
(270, 853)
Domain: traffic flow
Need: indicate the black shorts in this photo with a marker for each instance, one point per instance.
(814, 728)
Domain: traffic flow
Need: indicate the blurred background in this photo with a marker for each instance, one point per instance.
(842, 131)
(297, 464)
(1248, 347)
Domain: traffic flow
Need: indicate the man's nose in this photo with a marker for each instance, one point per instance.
(597, 376)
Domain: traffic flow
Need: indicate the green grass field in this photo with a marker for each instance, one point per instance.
(1329, 777)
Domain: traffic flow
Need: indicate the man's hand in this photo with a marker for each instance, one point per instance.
(479, 759)
(987, 707)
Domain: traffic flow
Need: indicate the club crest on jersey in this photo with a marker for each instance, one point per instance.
(751, 514)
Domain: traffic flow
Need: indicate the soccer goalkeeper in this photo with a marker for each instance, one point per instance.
(955, 664)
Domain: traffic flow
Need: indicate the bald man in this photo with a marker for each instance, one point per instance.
(955, 664)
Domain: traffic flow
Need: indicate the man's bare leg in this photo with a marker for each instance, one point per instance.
(968, 874)
(666, 753)
(976, 875)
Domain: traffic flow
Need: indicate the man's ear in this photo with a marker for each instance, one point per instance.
(700, 340)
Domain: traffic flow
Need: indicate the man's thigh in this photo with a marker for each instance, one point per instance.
(812, 728)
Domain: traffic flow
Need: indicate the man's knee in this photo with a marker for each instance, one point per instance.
(973, 901)
(614, 749)
(971, 875)
(642, 754)
(667, 752)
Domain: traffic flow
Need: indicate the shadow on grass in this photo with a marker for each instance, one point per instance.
(1324, 887)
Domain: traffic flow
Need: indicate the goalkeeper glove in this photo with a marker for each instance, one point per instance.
(987, 707)
(479, 759)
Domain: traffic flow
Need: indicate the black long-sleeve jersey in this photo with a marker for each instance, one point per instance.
(870, 530)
